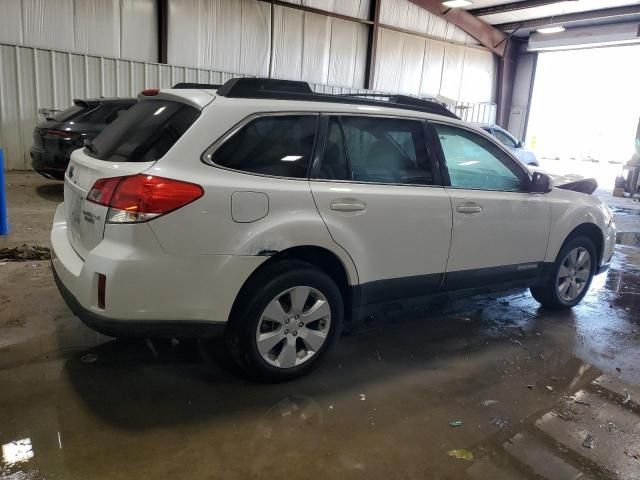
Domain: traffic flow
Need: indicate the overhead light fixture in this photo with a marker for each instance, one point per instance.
(557, 29)
(456, 3)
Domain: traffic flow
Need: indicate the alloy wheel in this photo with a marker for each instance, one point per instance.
(574, 274)
(293, 327)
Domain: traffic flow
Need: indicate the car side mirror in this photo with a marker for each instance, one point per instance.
(540, 183)
(519, 144)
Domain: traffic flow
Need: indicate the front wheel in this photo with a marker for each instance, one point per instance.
(290, 314)
(571, 277)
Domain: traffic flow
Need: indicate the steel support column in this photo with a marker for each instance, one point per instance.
(163, 29)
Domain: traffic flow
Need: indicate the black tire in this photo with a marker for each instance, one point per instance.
(549, 295)
(251, 303)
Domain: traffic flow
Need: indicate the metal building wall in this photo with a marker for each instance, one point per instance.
(441, 60)
(110, 28)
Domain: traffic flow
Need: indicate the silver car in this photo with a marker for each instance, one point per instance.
(516, 146)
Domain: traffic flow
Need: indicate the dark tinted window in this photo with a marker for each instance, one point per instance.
(271, 145)
(68, 114)
(387, 150)
(477, 163)
(334, 164)
(145, 133)
(104, 114)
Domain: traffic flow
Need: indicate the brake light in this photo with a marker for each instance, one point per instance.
(102, 190)
(53, 133)
(139, 198)
(150, 92)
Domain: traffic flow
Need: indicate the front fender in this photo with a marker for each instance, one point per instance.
(571, 209)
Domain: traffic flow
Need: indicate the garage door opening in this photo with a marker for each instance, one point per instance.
(584, 111)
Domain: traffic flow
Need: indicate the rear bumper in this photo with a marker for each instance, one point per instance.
(148, 292)
(133, 328)
(50, 165)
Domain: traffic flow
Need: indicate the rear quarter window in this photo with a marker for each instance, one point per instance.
(145, 133)
(278, 145)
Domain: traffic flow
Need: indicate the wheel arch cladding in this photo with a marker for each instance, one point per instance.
(319, 257)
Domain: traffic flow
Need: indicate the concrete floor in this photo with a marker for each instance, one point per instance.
(529, 387)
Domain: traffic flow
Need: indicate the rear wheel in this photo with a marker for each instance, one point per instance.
(571, 277)
(288, 316)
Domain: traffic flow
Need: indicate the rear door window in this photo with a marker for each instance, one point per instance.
(278, 145)
(382, 150)
(148, 130)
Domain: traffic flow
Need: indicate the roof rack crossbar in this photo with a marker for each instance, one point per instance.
(266, 88)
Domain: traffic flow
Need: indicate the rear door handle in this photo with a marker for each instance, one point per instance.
(469, 208)
(348, 205)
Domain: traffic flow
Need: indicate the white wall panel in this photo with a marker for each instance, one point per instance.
(432, 68)
(452, 71)
(408, 15)
(96, 27)
(183, 46)
(48, 23)
(318, 49)
(478, 76)
(11, 21)
(227, 35)
(287, 43)
(347, 53)
(352, 8)
(139, 30)
(113, 28)
(315, 58)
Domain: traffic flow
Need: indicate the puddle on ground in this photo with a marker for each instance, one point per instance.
(625, 211)
(628, 238)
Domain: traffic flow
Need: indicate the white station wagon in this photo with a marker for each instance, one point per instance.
(281, 214)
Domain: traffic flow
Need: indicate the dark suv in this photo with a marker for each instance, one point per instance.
(56, 137)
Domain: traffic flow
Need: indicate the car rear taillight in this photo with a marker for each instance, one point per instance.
(139, 198)
(61, 134)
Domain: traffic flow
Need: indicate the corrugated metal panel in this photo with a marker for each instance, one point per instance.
(48, 24)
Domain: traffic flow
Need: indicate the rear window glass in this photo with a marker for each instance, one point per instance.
(148, 130)
(278, 145)
(67, 114)
(104, 114)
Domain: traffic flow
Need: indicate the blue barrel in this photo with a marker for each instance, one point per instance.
(4, 223)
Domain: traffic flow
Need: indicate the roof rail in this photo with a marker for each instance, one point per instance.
(196, 86)
(269, 88)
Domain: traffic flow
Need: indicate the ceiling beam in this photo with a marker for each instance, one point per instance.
(487, 35)
(614, 12)
(513, 6)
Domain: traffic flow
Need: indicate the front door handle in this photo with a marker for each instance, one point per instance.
(348, 205)
(469, 207)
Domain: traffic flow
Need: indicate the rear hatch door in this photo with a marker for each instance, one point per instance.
(128, 146)
(86, 220)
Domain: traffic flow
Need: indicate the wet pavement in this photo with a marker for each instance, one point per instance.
(537, 394)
